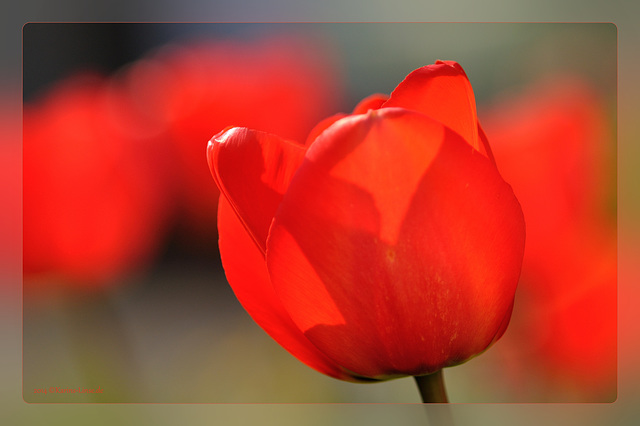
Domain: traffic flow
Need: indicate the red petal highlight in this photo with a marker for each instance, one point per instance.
(396, 257)
(252, 170)
(246, 271)
(443, 92)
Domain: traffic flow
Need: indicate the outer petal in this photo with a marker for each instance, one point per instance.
(396, 257)
(246, 271)
(443, 92)
(252, 170)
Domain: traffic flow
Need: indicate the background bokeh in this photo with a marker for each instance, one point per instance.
(172, 331)
(123, 287)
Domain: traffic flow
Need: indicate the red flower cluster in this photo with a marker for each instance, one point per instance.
(553, 145)
(387, 245)
(281, 85)
(111, 162)
(10, 189)
(93, 199)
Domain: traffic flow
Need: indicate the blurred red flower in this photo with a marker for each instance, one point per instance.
(10, 190)
(94, 197)
(281, 85)
(553, 144)
(388, 246)
(110, 161)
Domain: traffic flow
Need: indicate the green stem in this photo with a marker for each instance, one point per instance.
(433, 392)
(432, 388)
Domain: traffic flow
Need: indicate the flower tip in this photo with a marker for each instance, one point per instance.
(371, 113)
(210, 148)
(452, 64)
(223, 135)
(218, 139)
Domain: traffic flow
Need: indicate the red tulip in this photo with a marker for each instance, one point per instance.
(10, 191)
(200, 88)
(388, 246)
(94, 193)
(552, 144)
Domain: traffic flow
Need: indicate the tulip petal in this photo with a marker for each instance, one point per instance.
(485, 148)
(396, 257)
(374, 101)
(246, 271)
(321, 127)
(443, 92)
(252, 170)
